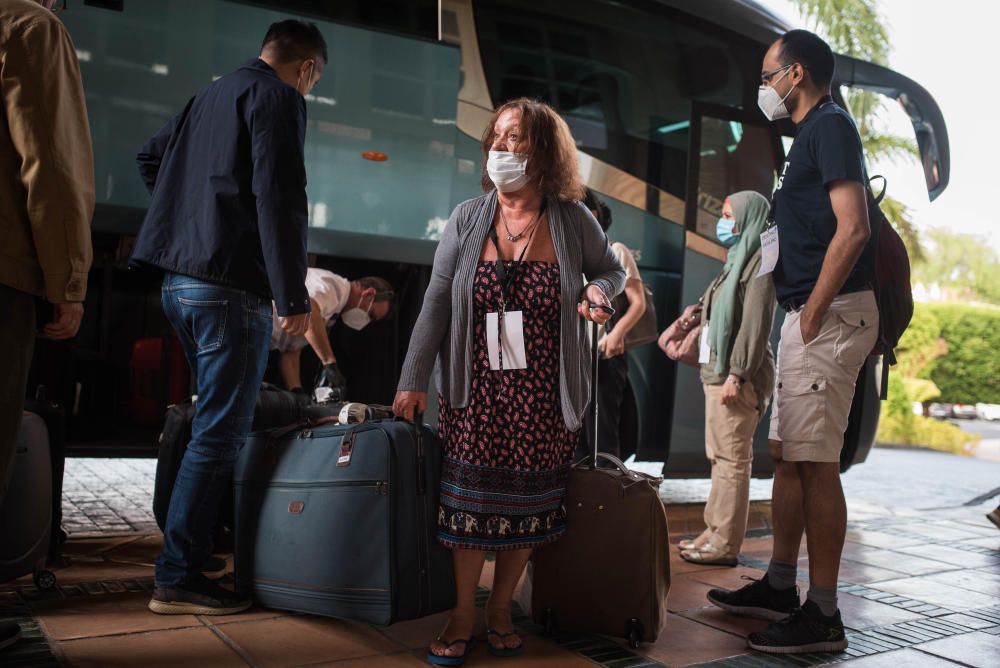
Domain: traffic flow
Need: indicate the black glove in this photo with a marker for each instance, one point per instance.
(330, 376)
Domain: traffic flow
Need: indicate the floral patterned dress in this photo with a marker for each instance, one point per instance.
(508, 453)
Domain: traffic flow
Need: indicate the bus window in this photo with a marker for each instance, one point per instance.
(416, 18)
(623, 79)
(733, 156)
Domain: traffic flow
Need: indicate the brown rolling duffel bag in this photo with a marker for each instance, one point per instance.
(610, 573)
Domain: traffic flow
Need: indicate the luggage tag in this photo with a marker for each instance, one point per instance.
(704, 345)
(768, 250)
(512, 339)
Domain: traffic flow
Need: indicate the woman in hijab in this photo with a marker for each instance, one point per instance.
(738, 376)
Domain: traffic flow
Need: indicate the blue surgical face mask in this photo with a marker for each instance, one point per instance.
(724, 231)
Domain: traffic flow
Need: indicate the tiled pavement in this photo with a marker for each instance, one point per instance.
(116, 495)
(920, 588)
(108, 495)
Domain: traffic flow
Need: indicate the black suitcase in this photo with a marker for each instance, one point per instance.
(173, 442)
(26, 514)
(275, 408)
(341, 521)
(55, 422)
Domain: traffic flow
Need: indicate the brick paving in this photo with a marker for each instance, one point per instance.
(920, 586)
(108, 495)
(116, 495)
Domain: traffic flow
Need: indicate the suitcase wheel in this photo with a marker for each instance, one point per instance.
(634, 633)
(45, 580)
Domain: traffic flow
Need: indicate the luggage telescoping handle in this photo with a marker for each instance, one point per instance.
(595, 356)
(594, 361)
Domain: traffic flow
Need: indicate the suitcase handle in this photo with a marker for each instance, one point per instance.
(594, 360)
(418, 426)
(618, 464)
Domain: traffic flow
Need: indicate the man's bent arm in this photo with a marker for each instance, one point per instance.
(853, 231)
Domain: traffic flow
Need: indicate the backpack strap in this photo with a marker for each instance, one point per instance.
(885, 188)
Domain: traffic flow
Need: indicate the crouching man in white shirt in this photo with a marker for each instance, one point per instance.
(333, 298)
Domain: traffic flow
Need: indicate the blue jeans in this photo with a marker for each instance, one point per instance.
(225, 334)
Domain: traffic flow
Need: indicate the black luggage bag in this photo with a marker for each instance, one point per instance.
(275, 408)
(340, 520)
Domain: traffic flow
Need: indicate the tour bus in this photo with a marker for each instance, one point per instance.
(661, 96)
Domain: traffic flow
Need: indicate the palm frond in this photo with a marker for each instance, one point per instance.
(889, 147)
(853, 27)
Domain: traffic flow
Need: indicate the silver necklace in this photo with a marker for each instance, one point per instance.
(516, 237)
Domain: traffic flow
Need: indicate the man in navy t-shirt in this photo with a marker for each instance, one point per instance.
(822, 278)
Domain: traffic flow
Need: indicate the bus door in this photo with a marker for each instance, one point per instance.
(730, 150)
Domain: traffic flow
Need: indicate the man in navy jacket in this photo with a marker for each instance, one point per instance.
(227, 225)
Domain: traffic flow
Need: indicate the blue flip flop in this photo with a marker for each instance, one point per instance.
(436, 660)
(504, 651)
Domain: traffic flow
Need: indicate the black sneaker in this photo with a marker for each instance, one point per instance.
(10, 633)
(201, 597)
(214, 568)
(757, 599)
(806, 630)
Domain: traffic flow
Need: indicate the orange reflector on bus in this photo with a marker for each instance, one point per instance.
(377, 156)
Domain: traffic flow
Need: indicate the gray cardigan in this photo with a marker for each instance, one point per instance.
(444, 328)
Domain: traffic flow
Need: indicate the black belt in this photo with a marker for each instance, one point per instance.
(795, 303)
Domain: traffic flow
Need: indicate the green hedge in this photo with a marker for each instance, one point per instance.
(899, 429)
(923, 351)
(969, 372)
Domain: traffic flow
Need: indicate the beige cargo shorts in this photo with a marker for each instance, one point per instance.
(816, 381)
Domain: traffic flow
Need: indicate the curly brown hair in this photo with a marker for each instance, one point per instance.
(552, 159)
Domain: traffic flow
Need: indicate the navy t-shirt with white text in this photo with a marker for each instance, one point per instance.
(826, 149)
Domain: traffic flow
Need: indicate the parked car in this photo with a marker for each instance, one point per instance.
(939, 411)
(988, 411)
(964, 412)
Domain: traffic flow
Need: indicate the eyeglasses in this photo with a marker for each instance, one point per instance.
(59, 8)
(765, 78)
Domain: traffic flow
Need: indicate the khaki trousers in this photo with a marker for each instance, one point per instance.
(729, 446)
(816, 380)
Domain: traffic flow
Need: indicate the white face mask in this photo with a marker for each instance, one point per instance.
(507, 170)
(772, 104)
(357, 318)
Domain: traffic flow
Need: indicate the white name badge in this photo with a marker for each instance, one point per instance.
(704, 346)
(768, 251)
(514, 356)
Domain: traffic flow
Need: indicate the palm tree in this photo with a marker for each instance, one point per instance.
(855, 28)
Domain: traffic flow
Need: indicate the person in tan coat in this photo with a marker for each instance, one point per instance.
(46, 202)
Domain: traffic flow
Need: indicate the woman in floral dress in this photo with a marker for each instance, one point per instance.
(505, 317)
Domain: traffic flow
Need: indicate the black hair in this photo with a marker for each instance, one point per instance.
(383, 289)
(593, 203)
(810, 51)
(295, 40)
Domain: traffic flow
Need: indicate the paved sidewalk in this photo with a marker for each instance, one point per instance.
(920, 587)
(108, 495)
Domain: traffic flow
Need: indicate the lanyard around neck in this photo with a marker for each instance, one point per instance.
(507, 280)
